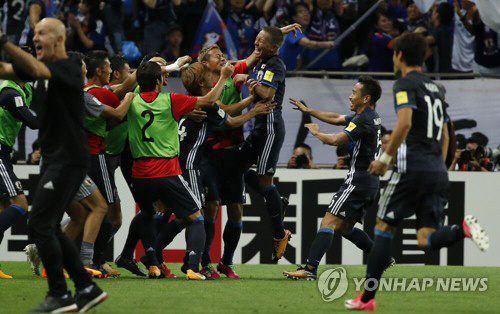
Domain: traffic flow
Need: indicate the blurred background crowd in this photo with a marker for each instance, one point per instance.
(459, 40)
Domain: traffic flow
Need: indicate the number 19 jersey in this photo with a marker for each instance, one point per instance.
(421, 151)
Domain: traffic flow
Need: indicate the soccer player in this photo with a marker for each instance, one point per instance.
(156, 172)
(360, 189)
(419, 183)
(263, 145)
(59, 94)
(15, 100)
(193, 135)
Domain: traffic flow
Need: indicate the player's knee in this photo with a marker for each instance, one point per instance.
(211, 209)
(383, 226)
(194, 216)
(265, 181)
(423, 237)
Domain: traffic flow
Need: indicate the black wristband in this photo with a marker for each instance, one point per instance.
(3, 40)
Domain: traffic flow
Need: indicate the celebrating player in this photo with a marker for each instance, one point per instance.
(419, 183)
(360, 189)
(263, 145)
(15, 100)
(59, 92)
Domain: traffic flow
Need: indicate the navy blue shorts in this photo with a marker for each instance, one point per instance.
(421, 193)
(100, 172)
(193, 178)
(10, 185)
(263, 149)
(173, 191)
(222, 175)
(351, 201)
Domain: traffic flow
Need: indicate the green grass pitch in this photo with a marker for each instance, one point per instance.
(262, 289)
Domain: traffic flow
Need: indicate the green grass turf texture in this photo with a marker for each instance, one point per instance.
(262, 289)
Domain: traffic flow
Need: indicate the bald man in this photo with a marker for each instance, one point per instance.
(58, 92)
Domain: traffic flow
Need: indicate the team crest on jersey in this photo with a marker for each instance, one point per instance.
(350, 127)
(401, 98)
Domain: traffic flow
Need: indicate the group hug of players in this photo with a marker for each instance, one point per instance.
(186, 155)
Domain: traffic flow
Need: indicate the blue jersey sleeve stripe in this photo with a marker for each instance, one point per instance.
(348, 134)
(268, 84)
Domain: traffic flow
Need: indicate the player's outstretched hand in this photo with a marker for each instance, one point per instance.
(263, 107)
(299, 105)
(158, 60)
(251, 83)
(130, 95)
(197, 115)
(227, 70)
(240, 79)
(313, 128)
(181, 61)
(295, 27)
(377, 168)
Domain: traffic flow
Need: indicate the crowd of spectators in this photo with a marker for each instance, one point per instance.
(459, 40)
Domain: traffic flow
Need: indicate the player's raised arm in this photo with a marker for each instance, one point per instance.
(25, 64)
(119, 112)
(328, 117)
(210, 98)
(330, 139)
(260, 108)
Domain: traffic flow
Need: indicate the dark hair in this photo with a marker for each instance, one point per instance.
(294, 7)
(148, 74)
(95, 59)
(117, 63)
(370, 87)
(35, 145)
(93, 8)
(76, 55)
(445, 12)
(304, 145)
(276, 36)
(413, 46)
(149, 56)
(173, 28)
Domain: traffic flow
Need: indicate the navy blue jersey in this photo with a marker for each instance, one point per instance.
(421, 151)
(271, 73)
(27, 33)
(12, 15)
(364, 145)
(193, 137)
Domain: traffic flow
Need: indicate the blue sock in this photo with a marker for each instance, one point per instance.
(273, 205)
(360, 239)
(8, 216)
(196, 242)
(320, 245)
(166, 235)
(444, 237)
(210, 232)
(231, 236)
(377, 261)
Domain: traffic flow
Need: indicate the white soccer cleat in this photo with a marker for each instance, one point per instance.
(476, 233)
(33, 258)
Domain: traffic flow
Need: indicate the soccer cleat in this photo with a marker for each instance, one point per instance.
(110, 270)
(475, 232)
(130, 265)
(192, 275)
(57, 305)
(227, 270)
(357, 304)
(391, 263)
(90, 297)
(33, 258)
(210, 272)
(154, 272)
(4, 275)
(280, 245)
(301, 273)
(166, 272)
(44, 274)
(93, 273)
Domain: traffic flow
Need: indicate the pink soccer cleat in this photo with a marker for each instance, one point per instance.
(475, 232)
(357, 304)
(227, 270)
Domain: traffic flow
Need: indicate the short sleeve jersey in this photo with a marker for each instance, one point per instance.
(61, 110)
(193, 136)
(363, 131)
(421, 150)
(271, 73)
